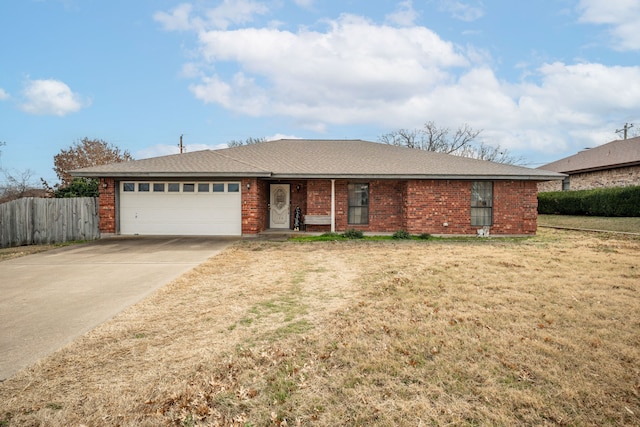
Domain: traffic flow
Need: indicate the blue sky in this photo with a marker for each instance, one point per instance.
(542, 78)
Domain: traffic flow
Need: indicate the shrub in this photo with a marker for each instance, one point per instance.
(352, 233)
(401, 234)
(425, 236)
(613, 202)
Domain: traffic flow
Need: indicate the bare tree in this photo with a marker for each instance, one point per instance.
(248, 141)
(18, 185)
(462, 142)
(85, 153)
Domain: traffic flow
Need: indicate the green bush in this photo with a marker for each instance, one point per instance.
(425, 236)
(352, 233)
(79, 187)
(621, 202)
(401, 234)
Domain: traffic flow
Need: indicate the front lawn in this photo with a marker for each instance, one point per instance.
(535, 331)
(628, 225)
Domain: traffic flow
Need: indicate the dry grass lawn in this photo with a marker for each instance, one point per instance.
(538, 331)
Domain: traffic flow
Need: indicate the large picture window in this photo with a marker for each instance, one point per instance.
(358, 203)
(481, 203)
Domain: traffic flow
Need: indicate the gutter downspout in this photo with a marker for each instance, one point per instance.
(333, 205)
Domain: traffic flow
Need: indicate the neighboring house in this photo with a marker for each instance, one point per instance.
(338, 185)
(615, 164)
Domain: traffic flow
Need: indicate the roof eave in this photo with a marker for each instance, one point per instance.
(150, 175)
(498, 177)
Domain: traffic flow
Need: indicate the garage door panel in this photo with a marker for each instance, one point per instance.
(180, 213)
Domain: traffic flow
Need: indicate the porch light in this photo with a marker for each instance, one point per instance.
(298, 187)
(248, 186)
(104, 184)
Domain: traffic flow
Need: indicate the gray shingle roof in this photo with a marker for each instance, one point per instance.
(293, 158)
(614, 154)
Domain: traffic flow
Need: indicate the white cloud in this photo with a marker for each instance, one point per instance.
(229, 12)
(178, 20)
(50, 97)
(278, 136)
(3, 95)
(622, 16)
(337, 76)
(405, 16)
(463, 11)
(358, 72)
(304, 3)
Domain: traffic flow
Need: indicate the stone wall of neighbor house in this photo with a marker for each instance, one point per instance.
(618, 177)
(546, 186)
(107, 205)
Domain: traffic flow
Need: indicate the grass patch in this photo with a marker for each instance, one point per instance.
(627, 225)
(535, 331)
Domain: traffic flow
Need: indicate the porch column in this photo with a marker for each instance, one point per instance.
(333, 205)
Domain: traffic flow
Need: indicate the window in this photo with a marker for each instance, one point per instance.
(203, 188)
(174, 187)
(158, 187)
(233, 187)
(358, 204)
(128, 186)
(188, 188)
(143, 186)
(481, 203)
(218, 188)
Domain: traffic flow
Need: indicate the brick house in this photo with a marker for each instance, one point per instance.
(615, 164)
(333, 185)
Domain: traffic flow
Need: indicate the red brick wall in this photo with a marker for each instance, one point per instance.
(418, 206)
(385, 206)
(427, 206)
(515, 207)
(318, 201)
(254, 206)
(438, 207)
(107, 206)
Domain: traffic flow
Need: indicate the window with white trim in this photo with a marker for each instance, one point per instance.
(481, 203)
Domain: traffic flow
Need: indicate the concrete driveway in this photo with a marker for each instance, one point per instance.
(50, 298)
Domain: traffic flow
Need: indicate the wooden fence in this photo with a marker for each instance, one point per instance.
(32, 221)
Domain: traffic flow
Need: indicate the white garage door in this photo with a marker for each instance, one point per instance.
(180, 208)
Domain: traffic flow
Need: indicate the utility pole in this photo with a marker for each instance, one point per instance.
(181, 147)
(625, 129)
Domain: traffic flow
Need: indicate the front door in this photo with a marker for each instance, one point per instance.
(279, 216)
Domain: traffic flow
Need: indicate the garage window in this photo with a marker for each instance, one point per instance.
(218, 187)
(128, 186)
(143, 186)
(174, 187)
(233, 187)
(188, 188)
(203, 188)
(158, 187)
